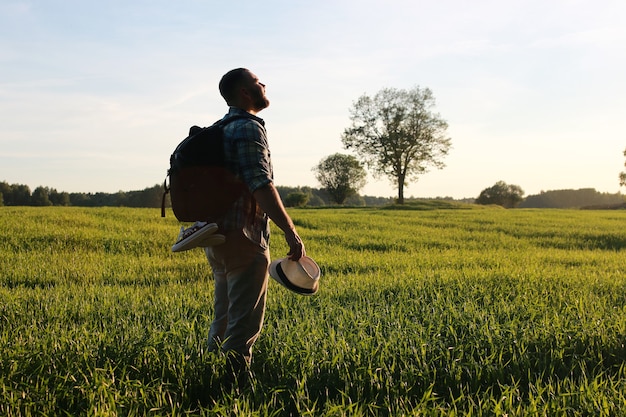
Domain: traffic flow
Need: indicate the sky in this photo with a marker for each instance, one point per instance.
(95, 95)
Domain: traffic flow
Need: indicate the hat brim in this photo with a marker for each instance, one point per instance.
(277, 273)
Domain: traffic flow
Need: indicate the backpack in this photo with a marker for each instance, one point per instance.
(201, 187)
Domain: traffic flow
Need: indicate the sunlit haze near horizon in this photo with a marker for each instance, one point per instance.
(95, 95)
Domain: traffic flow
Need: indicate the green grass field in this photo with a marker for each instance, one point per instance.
(429, 310)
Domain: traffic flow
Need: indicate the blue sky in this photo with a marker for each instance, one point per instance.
(95, 95)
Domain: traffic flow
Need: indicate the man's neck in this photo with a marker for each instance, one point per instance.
(251, 111)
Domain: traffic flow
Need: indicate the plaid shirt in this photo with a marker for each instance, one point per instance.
(247, 154)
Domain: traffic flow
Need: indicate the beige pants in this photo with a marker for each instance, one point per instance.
(240, 271)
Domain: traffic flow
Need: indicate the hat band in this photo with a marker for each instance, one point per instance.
(288, 284)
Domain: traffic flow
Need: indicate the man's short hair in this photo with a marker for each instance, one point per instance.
(230, 83)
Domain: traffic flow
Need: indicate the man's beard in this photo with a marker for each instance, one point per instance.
(261, 102)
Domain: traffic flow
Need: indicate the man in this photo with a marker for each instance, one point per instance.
(240, 265)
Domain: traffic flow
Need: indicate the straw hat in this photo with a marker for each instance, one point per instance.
(301, 277)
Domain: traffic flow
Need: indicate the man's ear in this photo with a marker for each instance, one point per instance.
(245, 95)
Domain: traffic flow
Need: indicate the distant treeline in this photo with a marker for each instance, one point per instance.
(315, 197)
(21, 195)
(582, 198)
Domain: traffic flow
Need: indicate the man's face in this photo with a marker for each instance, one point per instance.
(256, 89)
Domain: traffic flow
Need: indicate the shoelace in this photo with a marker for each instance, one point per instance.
(191, 230)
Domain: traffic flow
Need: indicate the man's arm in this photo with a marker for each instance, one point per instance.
(269, 200)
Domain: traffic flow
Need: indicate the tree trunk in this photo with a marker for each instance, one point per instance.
(401, 189)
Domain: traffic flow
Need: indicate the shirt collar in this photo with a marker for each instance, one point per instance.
(232, 111)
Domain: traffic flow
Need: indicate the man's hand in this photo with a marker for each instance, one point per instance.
(296, 247)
